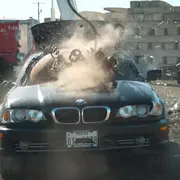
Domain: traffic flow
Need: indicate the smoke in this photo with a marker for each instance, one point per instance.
(81, 76)
(107, 39)
(88, 73)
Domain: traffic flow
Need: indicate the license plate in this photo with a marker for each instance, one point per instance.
(81, 139)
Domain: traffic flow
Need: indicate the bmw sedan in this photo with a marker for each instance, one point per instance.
(42, 115)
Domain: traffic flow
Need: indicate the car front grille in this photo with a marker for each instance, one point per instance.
(69, 115)
(132, 142)
(19, 146)
(95, 114)
(73, 115)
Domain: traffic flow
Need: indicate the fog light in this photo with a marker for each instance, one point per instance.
(140, 140)
(164, 128)
(23, 145)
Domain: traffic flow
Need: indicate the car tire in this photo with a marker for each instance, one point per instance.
(159, 163)
(10, 168)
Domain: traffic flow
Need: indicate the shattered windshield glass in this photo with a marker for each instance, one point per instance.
(88, 69)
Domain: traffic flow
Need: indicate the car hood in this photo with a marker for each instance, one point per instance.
(38, 96)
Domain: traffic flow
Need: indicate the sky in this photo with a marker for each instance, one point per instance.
(23, 9)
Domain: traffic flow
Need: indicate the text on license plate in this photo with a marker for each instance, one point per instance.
(80, 139)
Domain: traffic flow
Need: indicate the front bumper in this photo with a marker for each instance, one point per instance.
(114, 137)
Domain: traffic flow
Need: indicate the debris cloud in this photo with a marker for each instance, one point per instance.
(87, 73)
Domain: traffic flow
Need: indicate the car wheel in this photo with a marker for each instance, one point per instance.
(159, 163)
(10, 168)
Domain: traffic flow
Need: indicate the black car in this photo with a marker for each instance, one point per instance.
(40, 118)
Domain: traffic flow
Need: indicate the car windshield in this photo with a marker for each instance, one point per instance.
(86, 73)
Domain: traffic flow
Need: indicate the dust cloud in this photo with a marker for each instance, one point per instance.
(106, 39)
(88, 73)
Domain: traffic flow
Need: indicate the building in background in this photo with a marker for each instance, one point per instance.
(25, 37)
(152, 28)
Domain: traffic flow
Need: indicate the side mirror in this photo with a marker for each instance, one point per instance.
(154, 75)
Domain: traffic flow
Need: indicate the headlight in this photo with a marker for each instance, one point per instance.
(142, 111)
(157, 109)
(136, 110)
(18, 115)
(21, 115)
(125, 112)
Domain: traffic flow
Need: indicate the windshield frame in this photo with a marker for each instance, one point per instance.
(34, 58)
(25, 68)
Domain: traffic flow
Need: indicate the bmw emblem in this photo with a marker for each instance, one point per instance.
(80, 102)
